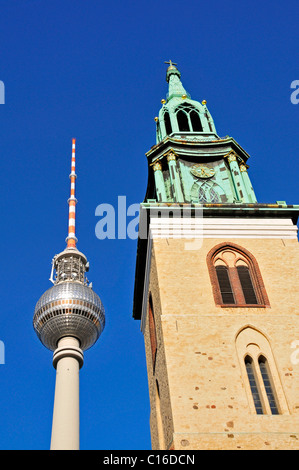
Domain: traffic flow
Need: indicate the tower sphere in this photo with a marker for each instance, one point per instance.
(69, 308)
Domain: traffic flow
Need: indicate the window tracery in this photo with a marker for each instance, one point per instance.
(235, 277)
(260, 374)
(188, 118)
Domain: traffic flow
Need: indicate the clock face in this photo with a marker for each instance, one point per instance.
(201, 171)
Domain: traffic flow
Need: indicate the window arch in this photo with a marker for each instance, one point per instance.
(235, 277)
(188, 118)
(260, 374)
(208, 193)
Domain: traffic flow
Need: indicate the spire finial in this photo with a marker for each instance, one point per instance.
(170, 63)
(72, 201)
(171, 70)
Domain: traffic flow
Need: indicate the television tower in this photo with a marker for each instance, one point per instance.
(68, 319)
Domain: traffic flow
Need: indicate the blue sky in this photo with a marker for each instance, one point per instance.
(95, 71)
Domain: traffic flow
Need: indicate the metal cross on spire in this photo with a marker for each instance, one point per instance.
(170, 63)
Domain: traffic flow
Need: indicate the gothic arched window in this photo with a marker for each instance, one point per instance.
(235, 277)
(167, 122)
(260, 374)
(188, 118)
(195, 121)
(207, 193)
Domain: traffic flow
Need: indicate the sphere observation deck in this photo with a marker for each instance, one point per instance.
(70, 307)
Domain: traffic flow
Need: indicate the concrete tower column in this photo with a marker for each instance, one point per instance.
(67, 360)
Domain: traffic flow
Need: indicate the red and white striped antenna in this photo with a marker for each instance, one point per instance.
(72, 201)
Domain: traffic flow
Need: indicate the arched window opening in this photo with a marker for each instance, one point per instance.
(167, 123)
(183, 121)
(246, 284)
(188, 118)
(261, 377)
(253, 385)
(195, 121)
(225, 285)
(267, 379)
(242, 271)
(152, 331)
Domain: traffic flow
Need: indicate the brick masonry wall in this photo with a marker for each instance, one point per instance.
(204, 401)
(159, 372)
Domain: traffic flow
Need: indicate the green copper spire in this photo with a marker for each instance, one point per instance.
(173, 78)
(190, 163)
(180, 115)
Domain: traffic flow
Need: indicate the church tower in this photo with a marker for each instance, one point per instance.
(216, 290)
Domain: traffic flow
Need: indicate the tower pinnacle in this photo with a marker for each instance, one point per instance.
(68, 319)
(172, 66)
(180, 115)
(173, 78)
(172, 70)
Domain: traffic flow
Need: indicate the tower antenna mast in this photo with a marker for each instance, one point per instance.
(72, 201)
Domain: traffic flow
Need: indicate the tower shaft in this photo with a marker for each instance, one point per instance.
(67, 360)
